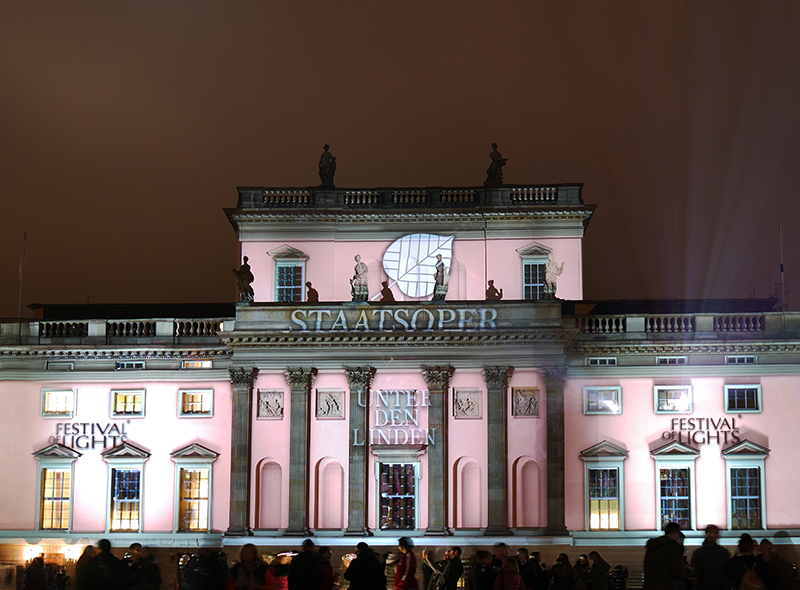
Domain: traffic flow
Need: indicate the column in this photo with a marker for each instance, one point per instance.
(359, 379)
(242, 380)
(438, 380)
(497, 416)
(300, 380)
(554, 378)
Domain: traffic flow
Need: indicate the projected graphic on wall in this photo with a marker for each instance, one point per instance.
(411, 262)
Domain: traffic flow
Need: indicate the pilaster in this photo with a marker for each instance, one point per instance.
(554, 378)
(497, 415)
(242, 380)
(438, 380)
(300, 380)
(359, 379)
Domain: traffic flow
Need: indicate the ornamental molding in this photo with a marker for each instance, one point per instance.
(56, 450)
(746, 448)
(497, 376)
(438, 377)
(554, 377)
(300, 376)
(400, 216)
(359, 378)
(604, 449)
(194, 451)
(114, 354)
(243, 376)
(125, 450)
(682, 348)
(673, 449)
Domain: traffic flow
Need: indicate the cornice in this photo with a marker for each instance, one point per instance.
(628, 348)
(400, 216)
(113, 353)
(344, 339)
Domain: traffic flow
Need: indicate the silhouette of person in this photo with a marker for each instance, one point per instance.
(311, 295)
(492, 294)
(386, 292)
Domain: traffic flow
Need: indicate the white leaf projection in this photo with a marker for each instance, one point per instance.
(411, 262)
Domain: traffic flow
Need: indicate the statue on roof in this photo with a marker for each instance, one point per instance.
(441, 280)
(492, 294)
(359, 287)
(494, 174)
(327, 167)
(244, 276)
(551, 273)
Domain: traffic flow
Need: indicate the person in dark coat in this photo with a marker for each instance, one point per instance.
(304, 571)
(527, 569)
(35, 578)
(737, 565)
(617, 579)
(663, 560)
(327, 578)
(211, 572)
(450, 574)
(105, 571)
(81, 565)
(581, 573)
(482, 574)
(709, 560)
(427, 572)
(598, 572)
(365, 572)
(781, 571)
(144, 574)
(562, 573)
(250, 573)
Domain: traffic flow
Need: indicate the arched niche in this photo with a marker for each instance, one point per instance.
(329, 494)
(527, 493)
(269, 492)
(468, 507)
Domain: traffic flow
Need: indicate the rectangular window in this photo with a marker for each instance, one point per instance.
(397, 489)
(670, 360)
(127, 403)
(196, 402)
(193, 500)
(602, 400)
(288, 282)
(742, 398)
(740, 360)
(676, 501)
(533, 274)
(58, 403)
(55, 499)
(125, 499)
(196, 364)
(745, 498)
(129, 365)
(673, 400)
(604, 505)
(609, 361)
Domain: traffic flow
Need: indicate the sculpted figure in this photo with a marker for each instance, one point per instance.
(327, 167)
(244, 277)
(492, 294)
(494, 174)
(358, 284)
(386, 292)
(551, 273)
(311, 295)
(441, 280)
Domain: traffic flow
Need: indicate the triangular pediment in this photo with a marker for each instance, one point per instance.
(286, 251)
(125, 450)
(674, 448)
(57, 450)
(604, 449)
(534, 249)
(194, 451)
(746, 447)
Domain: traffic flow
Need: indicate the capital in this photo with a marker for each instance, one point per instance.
(243, 376)
(438, 377)
(300, 377)
(554, 377)
(497, 376)
(359, 378)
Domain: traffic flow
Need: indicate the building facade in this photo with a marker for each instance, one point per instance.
(413, 361)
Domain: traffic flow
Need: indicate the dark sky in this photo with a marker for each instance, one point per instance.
(126, 126)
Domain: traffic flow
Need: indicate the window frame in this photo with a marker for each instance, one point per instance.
(598, 463)
(659, 388)
(610, 361)
(202, 364)
(679, 361)
(397, 456)
(124, 465)
(588, 388)
(676, 462)
(759, 398)
(749, 462)
(193, 456)
(112, 411)
(731, 357)
(190, 391)
(537, 260)
(55, 463)
(67, 414)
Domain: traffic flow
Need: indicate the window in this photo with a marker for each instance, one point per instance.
(193, 501)
(129, 365)
(740, 360)
(125, 499)
(127, 403)
(533, 275)
(675, 497)
(59, 366)
(742, 398)
(58, 403)
(609, 361)
(670, 360)
(604, 509)
(204, 364)
(602, 400)
(671, 399)
(56, 492)
(398, 495)
(196, 402)
(290, 270)
(744, 464)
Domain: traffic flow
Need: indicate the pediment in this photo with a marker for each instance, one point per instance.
(57, 450)
(746, 447)
(286, 251)
(674, 448)
(194, 451)
(534, 249)
(604, 449)
(125, 450)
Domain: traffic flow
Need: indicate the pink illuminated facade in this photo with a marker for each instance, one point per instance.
(378, 385)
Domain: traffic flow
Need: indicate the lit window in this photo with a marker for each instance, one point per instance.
(742, 398)
(745, 497)
(602, 400)
(740, 360)
(604, 504)
(196, 402)
(196, 364)
(58, 403)
(671, 360)
(193, 503)
(675, 497)
(609, 361)
(127, 403)
(125, 499)
(673, 399)
(533, 279)
(398, 494)
(56, 488)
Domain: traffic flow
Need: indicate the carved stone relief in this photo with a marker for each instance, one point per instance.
(466, 403)
(270, 404)
(330, 403)
(525, 402)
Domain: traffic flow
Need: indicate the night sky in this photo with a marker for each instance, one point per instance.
(125, 128)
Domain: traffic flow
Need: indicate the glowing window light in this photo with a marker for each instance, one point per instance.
(128, 403)
(602, 400)
(196, 402)
(125, 499)
(604, 499)
(55, 499)
(677, 400)
(31, 551)
(194, 495)
(72, 552)
(59, 403)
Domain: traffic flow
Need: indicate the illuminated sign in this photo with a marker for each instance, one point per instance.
(89, 435)
(394, 319)
(411, 262)
(395, 418)
(703, 431)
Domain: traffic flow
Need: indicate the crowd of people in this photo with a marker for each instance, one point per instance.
(756, 566)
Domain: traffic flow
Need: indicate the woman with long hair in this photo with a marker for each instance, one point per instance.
(250, 573)
(509, 578)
